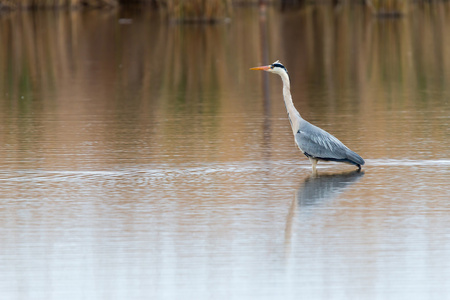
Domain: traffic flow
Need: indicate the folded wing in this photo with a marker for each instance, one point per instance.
(318, 143)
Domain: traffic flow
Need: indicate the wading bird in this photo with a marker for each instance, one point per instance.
(315, 143)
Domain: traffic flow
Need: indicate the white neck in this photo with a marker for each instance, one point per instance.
(293, 114)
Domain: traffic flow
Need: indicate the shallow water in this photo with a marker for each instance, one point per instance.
(145, 160)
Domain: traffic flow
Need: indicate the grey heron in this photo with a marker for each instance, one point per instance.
(314, 142)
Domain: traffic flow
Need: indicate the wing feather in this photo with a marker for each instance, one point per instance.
(318, 143)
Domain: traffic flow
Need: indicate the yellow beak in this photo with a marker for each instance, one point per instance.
(262, 68)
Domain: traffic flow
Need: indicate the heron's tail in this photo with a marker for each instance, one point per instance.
(354, 158)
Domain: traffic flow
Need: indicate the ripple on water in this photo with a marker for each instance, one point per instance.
(408, 162)
(249, 171)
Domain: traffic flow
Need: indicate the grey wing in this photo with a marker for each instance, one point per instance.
(318, 143)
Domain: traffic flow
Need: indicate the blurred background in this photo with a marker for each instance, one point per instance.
(140, 158)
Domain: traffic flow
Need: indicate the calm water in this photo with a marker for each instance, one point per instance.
(141, 160)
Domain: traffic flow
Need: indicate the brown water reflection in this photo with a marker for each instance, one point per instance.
(144, 160)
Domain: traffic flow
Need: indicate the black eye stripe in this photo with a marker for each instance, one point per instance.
(279, 66)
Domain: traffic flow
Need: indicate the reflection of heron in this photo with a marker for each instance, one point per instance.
(315, 143)
(316, 189)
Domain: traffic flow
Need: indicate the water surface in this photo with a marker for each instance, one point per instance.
(145, 160)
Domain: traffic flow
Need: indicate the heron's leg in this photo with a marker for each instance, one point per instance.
(314, 163)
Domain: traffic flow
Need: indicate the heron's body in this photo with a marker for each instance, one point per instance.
(314, 142)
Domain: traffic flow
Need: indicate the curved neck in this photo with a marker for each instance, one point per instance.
(293, 114)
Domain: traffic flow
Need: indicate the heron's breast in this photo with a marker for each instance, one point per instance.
(296, 142)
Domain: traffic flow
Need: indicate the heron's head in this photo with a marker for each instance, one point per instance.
(276, 68)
